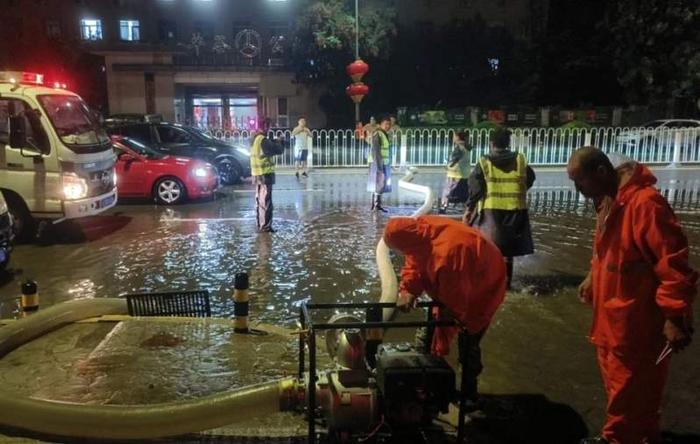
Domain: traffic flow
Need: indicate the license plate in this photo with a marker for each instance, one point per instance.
(107, 201)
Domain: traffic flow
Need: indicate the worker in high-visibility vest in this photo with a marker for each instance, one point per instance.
(379, 181)
(458, 168)
(497, 202)
(262, 168)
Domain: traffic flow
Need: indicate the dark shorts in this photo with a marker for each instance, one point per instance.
(303, 154)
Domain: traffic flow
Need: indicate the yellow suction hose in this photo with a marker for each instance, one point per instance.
(123, 421)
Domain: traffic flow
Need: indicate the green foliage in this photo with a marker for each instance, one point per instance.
(655, 45)
(325, 37)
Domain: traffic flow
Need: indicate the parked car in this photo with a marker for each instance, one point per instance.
(657, 134)
(232, 162)
(144, 172)
(6, 233)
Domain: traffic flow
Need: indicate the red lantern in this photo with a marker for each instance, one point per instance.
(357, 91)
(357, 69)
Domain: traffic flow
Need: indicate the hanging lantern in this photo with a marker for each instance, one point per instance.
(357, 91)
(357, 69)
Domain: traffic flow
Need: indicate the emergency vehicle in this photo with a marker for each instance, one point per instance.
(56, 162)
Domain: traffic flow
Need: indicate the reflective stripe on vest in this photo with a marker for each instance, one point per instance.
(384, 149)
(504, 191)
(260, 164)
(462, 168)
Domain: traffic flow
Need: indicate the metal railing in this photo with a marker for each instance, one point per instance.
(542, 146)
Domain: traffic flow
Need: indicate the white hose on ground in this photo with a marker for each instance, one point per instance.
(122, 421)
(390, 286)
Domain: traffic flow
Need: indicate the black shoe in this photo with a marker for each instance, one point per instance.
(381, 208)
(594, 440)
(442, 210)
(304, 174)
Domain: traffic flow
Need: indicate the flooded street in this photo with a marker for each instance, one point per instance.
(324, 251)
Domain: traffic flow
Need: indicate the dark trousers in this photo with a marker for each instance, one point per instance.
(470, 358)
(263, 206)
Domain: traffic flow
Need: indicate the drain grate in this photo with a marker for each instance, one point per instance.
(177, 303)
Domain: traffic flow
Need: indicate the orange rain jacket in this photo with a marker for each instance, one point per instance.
(455, 265)
(640, 271)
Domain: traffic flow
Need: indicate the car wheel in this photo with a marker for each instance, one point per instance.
(23, 224)
(169, 191)
(229, 172)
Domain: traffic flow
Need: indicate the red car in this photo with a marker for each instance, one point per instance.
(144, 172)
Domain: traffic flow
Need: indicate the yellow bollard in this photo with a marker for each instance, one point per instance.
(30, 298)
(240, 303)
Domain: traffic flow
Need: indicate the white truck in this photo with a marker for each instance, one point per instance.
(56, 162)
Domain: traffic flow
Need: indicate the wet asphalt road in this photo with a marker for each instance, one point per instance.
(324, 251)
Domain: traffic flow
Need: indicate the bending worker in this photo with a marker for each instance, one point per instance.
(379, 159)
(498, 190)
(456, 266)
(641, 288)
(262, 168)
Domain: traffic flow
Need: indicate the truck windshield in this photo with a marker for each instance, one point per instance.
(73, 121)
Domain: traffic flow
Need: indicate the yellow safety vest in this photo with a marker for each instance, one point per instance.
(504, 191)
(259, 163)
(462, 168)
(384, 149)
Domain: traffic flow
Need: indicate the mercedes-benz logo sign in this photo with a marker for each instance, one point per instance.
(248, 43)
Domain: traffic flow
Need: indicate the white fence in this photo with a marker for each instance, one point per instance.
(542, 146)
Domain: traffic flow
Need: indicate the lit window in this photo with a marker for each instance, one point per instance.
(91, 29)
(494, 63)
(129, 30)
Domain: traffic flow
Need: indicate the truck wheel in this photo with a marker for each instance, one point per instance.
(169, 191)
(23, 224)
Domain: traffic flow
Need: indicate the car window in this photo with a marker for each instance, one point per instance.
(142, 133)
(171, 134)
(682, 124)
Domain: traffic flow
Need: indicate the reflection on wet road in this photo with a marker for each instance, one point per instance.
(324, 250)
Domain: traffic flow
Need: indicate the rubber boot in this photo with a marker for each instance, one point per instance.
(378, 203)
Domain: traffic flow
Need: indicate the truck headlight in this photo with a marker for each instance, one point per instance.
(74, 187)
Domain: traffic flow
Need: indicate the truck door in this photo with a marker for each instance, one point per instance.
(28, 170)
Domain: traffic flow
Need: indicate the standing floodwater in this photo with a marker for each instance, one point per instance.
(324, 251)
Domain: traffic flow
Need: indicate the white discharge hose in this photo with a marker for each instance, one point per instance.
(122, 421)
(390, 286)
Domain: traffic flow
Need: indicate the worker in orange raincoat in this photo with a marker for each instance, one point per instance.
(641, 288)
(456, 266)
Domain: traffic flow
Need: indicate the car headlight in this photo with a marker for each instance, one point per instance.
(3, 206)
(243, 151)
(200, 172)
(114, 177)
(74, 187)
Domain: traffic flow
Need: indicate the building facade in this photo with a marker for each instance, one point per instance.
(209, 63)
